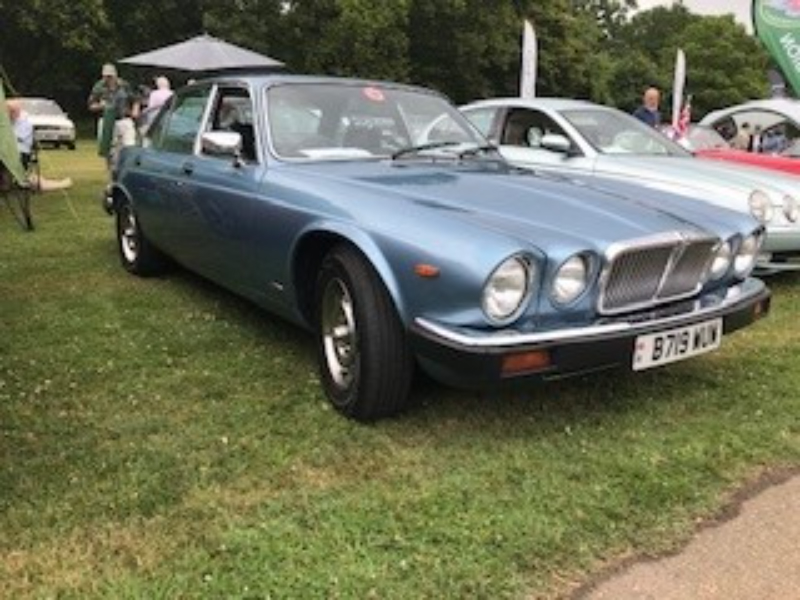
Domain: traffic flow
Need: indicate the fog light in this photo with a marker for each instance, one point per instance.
(526, 362)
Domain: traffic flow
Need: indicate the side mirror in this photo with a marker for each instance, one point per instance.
(222, 143)
(556, 143)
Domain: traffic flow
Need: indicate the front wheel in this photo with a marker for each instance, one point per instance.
(136, 253)
(365, 363)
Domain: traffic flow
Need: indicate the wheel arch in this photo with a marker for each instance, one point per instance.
(311, 249)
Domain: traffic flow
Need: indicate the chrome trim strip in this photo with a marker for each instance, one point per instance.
(742, 293)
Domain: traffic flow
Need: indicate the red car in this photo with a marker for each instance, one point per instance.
(705, 142)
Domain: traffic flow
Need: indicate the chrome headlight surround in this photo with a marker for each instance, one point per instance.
(571, 280)
(747, 254)
(508, 290)
(721, 261)
(791, 209)
(761, 206)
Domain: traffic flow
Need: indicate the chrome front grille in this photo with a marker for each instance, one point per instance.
(645, 273)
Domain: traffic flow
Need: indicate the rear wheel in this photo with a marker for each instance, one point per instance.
(365, 363)
(136, 253)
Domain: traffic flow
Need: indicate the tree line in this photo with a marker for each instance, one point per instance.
(602, 50)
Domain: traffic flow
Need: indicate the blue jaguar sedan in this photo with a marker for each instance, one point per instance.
(376, 216)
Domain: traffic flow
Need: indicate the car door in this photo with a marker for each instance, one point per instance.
(234, 218)
(162, 185)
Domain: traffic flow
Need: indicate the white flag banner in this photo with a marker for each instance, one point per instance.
(678, 86)
(527, 84)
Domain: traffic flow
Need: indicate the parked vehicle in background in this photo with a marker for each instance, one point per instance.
(51, 125)
(705, 142)
(582, 138)
(774, 123)
(376, 216)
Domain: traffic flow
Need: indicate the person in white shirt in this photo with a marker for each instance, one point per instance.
(23, 130)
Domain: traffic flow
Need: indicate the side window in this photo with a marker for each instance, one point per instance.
(482, 119)
(155, 129)
(233, 111)
(528, 128)
(182, 124)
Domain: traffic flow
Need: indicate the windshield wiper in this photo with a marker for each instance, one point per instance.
(423, 148)
(481, 149)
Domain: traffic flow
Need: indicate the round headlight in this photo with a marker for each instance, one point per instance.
(761, 207)
(721, 261)
(507, 290)
(571, 280)
(791, 209)
(746, 256)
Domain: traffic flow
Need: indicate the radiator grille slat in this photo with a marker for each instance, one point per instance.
(640, 277)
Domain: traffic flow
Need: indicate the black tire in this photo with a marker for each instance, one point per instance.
(136, 253)
(366, 365)
(71, 145)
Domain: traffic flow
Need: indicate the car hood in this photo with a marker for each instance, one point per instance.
(534, 207)
(50, 121)
(707, 177)
(768, 161)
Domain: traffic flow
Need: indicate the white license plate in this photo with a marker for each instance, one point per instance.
(655, 349)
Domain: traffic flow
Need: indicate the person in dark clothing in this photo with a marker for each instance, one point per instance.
(648, 112)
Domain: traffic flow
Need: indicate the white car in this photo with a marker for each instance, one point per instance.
(776, 121)
(601, 143)
(51, 125)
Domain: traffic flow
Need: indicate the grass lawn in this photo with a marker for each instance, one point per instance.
(161, 438)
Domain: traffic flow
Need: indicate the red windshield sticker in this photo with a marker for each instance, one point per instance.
(374, 94)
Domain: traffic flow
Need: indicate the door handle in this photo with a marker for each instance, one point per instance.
(188, 168)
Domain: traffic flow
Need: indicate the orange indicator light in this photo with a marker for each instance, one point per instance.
(427, 271)
(525, 362)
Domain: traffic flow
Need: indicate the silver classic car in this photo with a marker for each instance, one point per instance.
(374, 215)
(586, 139)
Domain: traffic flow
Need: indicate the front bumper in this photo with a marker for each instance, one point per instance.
(781, 251)
(472, 358)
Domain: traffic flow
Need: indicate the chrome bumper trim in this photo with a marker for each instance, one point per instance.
(708, 306)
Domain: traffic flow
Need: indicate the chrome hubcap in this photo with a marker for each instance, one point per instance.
(128, 235)
(339, 341)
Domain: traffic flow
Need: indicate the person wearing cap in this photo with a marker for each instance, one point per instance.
(116, 105)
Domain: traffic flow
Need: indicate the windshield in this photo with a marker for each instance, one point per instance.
(614, 132)
(40, 107)
(330, 121)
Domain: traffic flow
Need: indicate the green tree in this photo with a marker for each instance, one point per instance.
(365, 38)
(49, 48)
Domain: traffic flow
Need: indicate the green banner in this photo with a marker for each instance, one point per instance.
(777, 23)
(9, 151)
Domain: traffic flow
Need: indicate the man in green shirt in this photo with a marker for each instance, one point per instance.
(115, 104)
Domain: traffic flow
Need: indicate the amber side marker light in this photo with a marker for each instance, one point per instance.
(426, 271)
(526, 362)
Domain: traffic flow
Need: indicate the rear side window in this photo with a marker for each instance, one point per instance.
(182, 125)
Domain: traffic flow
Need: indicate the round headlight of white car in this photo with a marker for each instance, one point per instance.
(746, 256)
(721, 261)
(761, 207)
(571, 279)
(791, 209)
(507, 290)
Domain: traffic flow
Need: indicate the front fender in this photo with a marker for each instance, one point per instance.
(341, 232)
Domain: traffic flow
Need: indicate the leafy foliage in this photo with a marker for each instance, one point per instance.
(596, 49)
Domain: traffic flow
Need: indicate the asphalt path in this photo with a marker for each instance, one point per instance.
(751, 552)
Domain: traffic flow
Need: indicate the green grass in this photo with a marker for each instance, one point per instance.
(161, 438)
